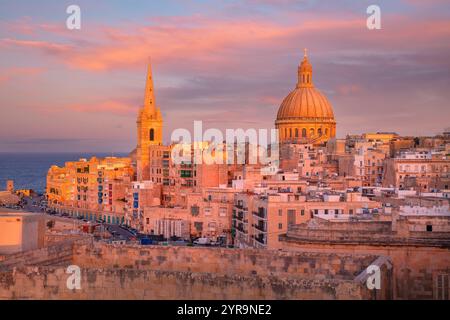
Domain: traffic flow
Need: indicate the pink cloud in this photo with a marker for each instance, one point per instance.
(347, 89)
(171, 39)
(270, 100)
(108, 107)
(26, 26)
(23, 25)
(211, 41)
(170, 42)
(11, 73)
(46, 46)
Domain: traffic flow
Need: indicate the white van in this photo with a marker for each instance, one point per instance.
(202, 241)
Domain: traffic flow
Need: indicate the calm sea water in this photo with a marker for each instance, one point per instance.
(29, 170)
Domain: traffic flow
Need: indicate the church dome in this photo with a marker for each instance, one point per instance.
(307, 104)
(305, 101)
(305, 115)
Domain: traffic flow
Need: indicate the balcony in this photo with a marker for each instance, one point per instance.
(260, 227)
(260, 214)
(186, 174)
(260, 238)
(240, 228)
(239, 216)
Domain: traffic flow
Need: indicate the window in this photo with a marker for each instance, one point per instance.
(222, 212)
(291, 216)
(280, 212)
(212, 226)
(296, 132)
(207, 211)
(152, 134)
(302, 212)
(442, 287)
(280, 226)
(429, 228)
(195, 210)
(319, 131)
(198, 226)
(304, 133)
(148, 220)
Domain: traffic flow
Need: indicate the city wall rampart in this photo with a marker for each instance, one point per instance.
(161, 272)
(96, 283)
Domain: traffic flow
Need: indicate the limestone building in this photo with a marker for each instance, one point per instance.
(305, 115)
(20, 231)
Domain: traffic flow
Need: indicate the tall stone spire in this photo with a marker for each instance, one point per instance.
(305, 73)
(149, 129)
(149, 100)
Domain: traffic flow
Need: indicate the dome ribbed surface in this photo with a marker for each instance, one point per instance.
(305, 103)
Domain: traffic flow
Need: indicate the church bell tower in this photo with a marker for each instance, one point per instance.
(149, 128)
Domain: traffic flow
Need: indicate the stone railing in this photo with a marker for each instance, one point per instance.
(55, 254)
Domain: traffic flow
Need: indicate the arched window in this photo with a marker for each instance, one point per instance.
(311, 132)
(307, 78)
(296, 132)
(285, 132)
(319, 131)
(326, 132)
(304, 133)
(290, 132)
(152, 134)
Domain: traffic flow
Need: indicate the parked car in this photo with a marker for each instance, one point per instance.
(202, 241)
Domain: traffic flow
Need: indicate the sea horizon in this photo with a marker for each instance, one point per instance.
(29, 170)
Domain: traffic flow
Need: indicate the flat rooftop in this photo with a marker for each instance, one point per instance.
(6, 212)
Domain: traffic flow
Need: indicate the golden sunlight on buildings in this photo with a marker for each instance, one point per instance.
(305, 115)
(377, 193)
(20, 231)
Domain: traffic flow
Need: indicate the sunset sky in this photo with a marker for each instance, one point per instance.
(228, 63)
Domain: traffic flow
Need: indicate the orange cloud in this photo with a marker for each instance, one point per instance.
(221, 42)
(173, 38)
(169, 42)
